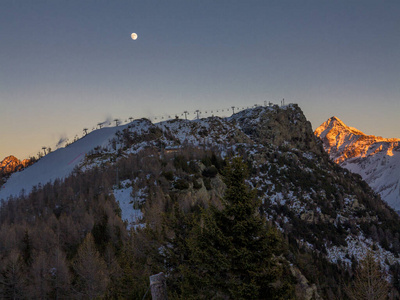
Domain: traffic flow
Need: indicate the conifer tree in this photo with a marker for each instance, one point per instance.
(27, 248)
(231, 252)
(177, 252)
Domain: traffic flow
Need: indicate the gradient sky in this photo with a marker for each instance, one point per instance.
(66, 65)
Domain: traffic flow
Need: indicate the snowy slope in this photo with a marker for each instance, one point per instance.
(381, 171)
(376, 159)
(57, 164)
(61, 162)
(213, 131)
(129, 202)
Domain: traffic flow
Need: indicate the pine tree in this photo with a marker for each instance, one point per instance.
(231, 253)
(177, 252)
(27, 248)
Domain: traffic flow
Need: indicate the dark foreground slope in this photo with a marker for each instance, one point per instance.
(54, 239)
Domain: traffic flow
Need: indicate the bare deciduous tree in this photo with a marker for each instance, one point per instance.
(12, 277)
(370, 282)
(91, 270)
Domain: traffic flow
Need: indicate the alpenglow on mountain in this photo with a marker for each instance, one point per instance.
(113, 182)
(11, 164)
(375, 158)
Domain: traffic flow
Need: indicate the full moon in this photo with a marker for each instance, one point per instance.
(134, 36)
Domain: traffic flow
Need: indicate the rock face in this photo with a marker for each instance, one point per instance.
(281, 126)
(376, 159)
(11, 164)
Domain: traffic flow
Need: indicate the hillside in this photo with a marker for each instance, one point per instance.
(327, 216)
(57, 164)
(376, 159)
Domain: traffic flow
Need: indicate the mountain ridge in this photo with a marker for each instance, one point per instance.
(329, 216)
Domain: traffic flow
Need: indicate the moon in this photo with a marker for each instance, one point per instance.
(134, 36)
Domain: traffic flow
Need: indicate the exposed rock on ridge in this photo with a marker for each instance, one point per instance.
(279, 126)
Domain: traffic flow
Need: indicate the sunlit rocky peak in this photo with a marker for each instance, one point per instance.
(375, 158)
(335, 125)
(11, 164)
(343, 142)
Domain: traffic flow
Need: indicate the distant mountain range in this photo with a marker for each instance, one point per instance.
(375, 158)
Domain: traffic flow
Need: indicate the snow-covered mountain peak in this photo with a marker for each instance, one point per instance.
(336, 126)
(375, 158)
(343, 142)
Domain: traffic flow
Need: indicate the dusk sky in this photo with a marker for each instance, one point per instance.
(67, 65)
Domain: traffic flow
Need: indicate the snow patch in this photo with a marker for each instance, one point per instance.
(130, 201)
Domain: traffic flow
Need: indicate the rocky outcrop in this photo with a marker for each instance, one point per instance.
(304, 289)
(281, 126)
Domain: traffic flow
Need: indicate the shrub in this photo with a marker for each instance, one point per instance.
(169, 175)
(197, 184)
(210, 172)
(181, 184)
